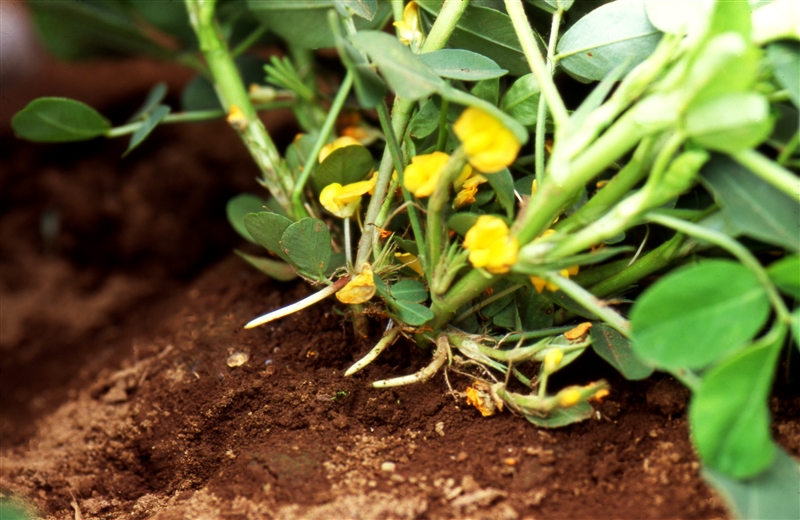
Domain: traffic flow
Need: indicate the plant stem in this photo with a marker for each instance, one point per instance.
(444, 25)
(191, 117)
(249, 41)
(733, 247)
(327, 127)
(590, 302)
(536, 334)
(442, 140)
(541, 115)
(232, 92)
(530, 48)
(437, 230)
(373, 354)
(770, 171)
(298, 306)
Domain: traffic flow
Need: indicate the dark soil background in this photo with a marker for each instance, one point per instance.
(121, 302)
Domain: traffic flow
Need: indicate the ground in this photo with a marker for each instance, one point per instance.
(118, 400)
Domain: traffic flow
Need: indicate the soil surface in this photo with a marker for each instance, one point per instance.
(121, 306)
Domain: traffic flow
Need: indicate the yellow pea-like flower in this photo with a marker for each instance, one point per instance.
(344, 201)
(339, 142)
(409, 29)
(540, 284)
(422, 175)
(490, 245)
(466, 186)
(489, 145)
(569, 397)
(410, 261)
(359, 289)
(552, 359)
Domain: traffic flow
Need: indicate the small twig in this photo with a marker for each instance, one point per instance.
(302, 304)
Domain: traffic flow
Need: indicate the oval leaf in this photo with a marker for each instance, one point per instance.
(412, 314)
(410, 291)
(59, 120)
(267, 229)
(522, 100)
(785, 273)
(308, 246)
(461, 64)
(148, 125)
(403, 70)
(345, 165)
(563, 416)
(616, 349)
(280, 271)
(730, 123)
(752, 205)
(698, 314)
(617, 32)
(238, 208)
(729, 416)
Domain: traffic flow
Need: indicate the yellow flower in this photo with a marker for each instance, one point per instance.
(490, 245)
(569, 396)
(422, 175)
(410, 261)
(540, 284)
(343, 201)
(552, 359)
(360, 289)
(489, 145)
(236, 118)
(339, 142)
(466, 186)
(409, 29)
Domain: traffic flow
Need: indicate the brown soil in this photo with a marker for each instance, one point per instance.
(117, 401)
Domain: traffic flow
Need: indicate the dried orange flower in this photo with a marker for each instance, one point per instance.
(360, 288)
(579, 331)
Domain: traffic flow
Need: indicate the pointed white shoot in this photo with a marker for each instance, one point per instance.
(298, 306)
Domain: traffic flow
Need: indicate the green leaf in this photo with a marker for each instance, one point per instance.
(153, 100)
(503, 184)
(199, 94)
(770, 494)
(729, 416)
(563, 416)
(412, 314)
(59, 120)
(729, 123)
(785, 273)
(345, 166)
(486, 31)
(616, 349)
(276, 270)
(507, 317)
(461, 222)
(304, 23)
(410, 291)
(487, 90)
(366, 9)
(239, 207)
(678, 17)
(370, 88)
(615, 33)
(522, 100)
(561, 299)
(785, 59)
(752, 205)
(697, 314)
(535, 311)
(308, 245)
(425, 121)
(551, 5)
(148, 125)
(796, 327)
(267, 229)
(404, 71)
(776, 21)
(461, 64)
(74, 29)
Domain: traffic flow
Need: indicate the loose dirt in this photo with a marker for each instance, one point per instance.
(118, 401)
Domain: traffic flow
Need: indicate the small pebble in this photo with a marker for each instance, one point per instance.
(388, 467)
(238, 359)
(439, 428)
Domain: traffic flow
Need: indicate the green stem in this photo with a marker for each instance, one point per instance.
(444, 25)
(789, 149)
(537, 64)
(437, 230)
(618, 187)
(191, 117)
(232, 92)
(324, 133)
(466, 289)
(536, 334)
(249, 41)
(646, 265)
(442, 140)
(733, 247)
(541, 116)
(491, 299)
(770, 171)
(590, 302)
